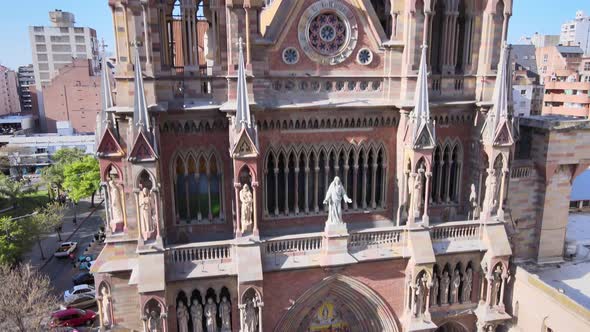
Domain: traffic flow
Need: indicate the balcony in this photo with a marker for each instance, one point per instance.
(310, 250)
(565, 98)
(557, 85)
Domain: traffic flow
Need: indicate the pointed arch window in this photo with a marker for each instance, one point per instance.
(296, 181)
(198, 188)
(446, 173)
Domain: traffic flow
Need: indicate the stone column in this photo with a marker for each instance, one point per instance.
(127, 42)
(316, 187)
(296, 191)
(145, 13)
(255, 231)
(355, 170)
(156, 193)
(276, 171)
(265, 202)
(502, 288)
(374, 183)
(238, 221)
(490, 280)
(425, 218)
(117, 52)
(502, 194)
(286, 171)
(345, 180)
(306, 189)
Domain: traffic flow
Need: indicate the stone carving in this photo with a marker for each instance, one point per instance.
(182, 317)
(211, 315)
(473, 206)
(455, 286)
(197, 316)
(491, 183)
(246, 207)
(146, 213)
(420, 296)
(444, 284)
(225, 313)
(249, 316)
(416, 193)
(497, 285)
(467, 284)
(106, 306)
(116, 205)
(435, 289)
(153, 322)
(334, 197)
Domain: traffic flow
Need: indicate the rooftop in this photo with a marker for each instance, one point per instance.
(572, 277)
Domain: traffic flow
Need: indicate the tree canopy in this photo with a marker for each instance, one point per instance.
(82, 178)
(53, 175)
(15, 239)
(14, 190)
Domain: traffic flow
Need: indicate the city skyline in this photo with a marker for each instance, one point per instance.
(530, 16)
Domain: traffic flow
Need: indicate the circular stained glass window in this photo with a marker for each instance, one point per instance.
(290, 55)
(327, 33)
(364, 56)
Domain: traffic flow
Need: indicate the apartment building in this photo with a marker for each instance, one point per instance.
(577, 32)
(27, 90)
(9, 100)
(527, 92)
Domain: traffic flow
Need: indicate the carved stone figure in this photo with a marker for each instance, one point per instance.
(455, 286)
(467, 284)
(473, 206)
(116, 205)
(182, 317)
(497, 285)
(211, 315)
(147, 217)
(434, 292)
(420, 296)
(490, 198)
(225, 313)
(445, 282)
(153, 322)
(197, 316)
(106, 306)
(334, 197)
(247, 209)
(249, 319)
(209, 45)
(416, 196)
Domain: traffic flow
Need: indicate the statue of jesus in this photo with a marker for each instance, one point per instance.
(334, 197)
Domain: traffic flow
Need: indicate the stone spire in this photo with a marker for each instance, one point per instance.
(106, 96)
(140, 110)
(423, 134)
(496, 129)
(243, 117)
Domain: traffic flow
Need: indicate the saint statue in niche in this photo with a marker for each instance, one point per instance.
(197, 316)
(146, 213)
(211, 315)
(116, 205)
(246, 208)
(333, 199)
(182, 316)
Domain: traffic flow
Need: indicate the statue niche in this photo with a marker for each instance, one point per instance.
(147, 212)
(116, 201)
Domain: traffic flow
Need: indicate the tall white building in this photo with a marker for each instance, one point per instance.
(577, 32)
(57, 45)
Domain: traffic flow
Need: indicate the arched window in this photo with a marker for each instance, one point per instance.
(383, 10)
(446, 173)
(198, 188)
(296, 182)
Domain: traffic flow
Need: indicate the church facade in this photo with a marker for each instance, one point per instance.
(312, 165)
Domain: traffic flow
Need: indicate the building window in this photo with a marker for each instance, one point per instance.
(446, 173)
(39, 39)
(80, 39)
(297, 179)
(197, 188)
(79, 30)
(545, 58)
(523, 92)
(586, 66)
(38, 29)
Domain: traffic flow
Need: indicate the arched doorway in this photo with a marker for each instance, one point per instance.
(451, 327)
(339, 303)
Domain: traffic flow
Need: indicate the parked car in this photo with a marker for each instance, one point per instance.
(82, 301)
(85, 258)
(78, 290)
(65, 249)
(72, 317)
(83, 278)
(86, 265)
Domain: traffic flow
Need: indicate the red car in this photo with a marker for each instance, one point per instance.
(72, 317)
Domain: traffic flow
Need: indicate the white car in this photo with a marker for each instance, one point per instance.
(65, 249)
(69, 295)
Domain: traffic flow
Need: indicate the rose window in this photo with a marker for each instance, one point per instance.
(327, 33)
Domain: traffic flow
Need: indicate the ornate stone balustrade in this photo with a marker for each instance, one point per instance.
(293, 246)
(200, 259)
(335, 85)
(373, 239)
(455, 231)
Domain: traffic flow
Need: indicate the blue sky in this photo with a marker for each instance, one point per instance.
(530, 16)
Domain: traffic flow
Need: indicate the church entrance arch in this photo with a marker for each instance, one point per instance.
(339, 303)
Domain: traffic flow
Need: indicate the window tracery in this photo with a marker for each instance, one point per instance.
(198, 187)
(297, 177)
(446, 173)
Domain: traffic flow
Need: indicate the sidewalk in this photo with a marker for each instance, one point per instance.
(51, 241)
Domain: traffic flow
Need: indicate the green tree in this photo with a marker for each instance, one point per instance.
(82, 178)
(14, 239)
(53, 176)
(14, 190)
(45, 221)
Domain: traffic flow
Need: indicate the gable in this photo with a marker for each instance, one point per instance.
(244, 147)
(142, 150)
(503, 135)
(295, 23)
(109, 146)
